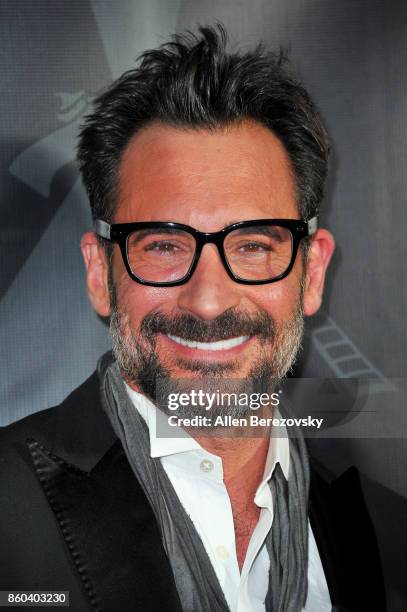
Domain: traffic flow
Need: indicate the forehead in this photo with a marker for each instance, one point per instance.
(239, 172)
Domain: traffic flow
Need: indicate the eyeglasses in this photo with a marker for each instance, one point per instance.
(166, 254)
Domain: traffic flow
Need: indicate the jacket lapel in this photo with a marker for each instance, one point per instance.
(110, 531)
(346, 542)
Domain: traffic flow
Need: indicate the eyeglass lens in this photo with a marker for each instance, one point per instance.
(166, 254)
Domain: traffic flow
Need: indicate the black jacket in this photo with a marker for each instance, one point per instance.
(73, 517)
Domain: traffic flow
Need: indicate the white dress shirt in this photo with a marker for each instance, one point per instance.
(197, 477)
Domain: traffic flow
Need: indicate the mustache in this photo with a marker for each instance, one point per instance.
(229, 323)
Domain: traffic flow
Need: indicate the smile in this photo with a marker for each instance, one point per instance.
(220, 345)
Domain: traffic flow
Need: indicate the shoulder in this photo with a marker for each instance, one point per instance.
(76, 429)
(78, 432)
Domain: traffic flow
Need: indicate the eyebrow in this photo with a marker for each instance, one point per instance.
(138, 235)
(265, 230)
(245, 220)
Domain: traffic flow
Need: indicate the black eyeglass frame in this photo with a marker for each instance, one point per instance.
(119, 233)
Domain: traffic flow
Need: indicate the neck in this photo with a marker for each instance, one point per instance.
(243, 462)
(243, 458)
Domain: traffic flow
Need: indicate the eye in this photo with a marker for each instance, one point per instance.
(162, 246)
(254, 247)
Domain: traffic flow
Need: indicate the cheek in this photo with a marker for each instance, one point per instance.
(137, 300)
(279, 299)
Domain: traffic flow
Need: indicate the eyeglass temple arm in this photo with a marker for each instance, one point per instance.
(312, 225)
(102, 229)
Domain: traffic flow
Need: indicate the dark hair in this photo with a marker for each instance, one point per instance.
(194, 82)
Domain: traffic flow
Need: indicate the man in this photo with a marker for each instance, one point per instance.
(205, 173)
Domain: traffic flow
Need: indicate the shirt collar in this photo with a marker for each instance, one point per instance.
(181, 442)
(279, 450)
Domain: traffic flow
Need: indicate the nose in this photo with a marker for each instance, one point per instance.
(210, 291)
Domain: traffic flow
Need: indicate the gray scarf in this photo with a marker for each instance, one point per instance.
(197, 584)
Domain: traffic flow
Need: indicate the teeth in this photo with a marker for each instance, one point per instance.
(221, 345)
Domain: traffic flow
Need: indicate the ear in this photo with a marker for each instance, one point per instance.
(97, 271)
(319, 255)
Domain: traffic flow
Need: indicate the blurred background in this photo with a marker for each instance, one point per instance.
(351, 55)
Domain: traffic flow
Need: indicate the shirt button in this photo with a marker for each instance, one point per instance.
(206, 465)
(222, 552)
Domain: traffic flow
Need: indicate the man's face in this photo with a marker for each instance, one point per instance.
(207, 180)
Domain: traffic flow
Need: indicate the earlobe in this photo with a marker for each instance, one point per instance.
(97, 272)
(318, 258)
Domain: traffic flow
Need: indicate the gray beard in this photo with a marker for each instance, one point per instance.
(140, 366)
